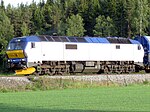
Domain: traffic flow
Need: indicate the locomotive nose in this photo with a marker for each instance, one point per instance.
(15, 54)
(16, 58)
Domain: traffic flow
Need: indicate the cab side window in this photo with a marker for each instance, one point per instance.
(139, 47)
(32, 45)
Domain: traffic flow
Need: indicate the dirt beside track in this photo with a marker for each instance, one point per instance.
(118, 79)
(12, 82)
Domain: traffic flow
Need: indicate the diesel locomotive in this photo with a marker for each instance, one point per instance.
(45, 54)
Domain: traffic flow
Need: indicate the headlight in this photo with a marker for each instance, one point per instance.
(22, 59)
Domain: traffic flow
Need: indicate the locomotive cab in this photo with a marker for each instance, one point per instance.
(17, 57)
(16, 54)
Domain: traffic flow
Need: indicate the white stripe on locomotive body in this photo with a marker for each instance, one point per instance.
(56, 51)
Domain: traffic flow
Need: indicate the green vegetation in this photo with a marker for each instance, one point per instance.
(44, 83)
(75, 26)
(110, 99)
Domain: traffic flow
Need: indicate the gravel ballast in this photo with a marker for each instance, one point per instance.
(117, 79)
(11, 82)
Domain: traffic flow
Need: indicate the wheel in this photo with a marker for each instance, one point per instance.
(107, 71)
(120, 71)
(147, 71)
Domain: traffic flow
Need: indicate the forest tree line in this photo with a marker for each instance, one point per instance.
(121, 18)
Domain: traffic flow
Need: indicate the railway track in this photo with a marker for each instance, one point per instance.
(75, 75)
(89, 76)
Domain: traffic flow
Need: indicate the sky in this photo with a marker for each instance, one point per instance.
(15, 2)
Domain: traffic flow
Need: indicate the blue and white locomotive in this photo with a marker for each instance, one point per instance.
(52, 55)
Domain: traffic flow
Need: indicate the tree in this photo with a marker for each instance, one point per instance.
(6, 30)
(24, 29)
(75, 26)
(120, 20)
(89, 10)
(17, 22)
(3, 44)
(2, 5)
(56, 15)
(116, 11)
(71, 7)
(32, 8)
(148, 28)
(26, 20)
(122, 17)
(47, 9)
(140, 20)
(104, 27)
(136, 16)
(39, 20)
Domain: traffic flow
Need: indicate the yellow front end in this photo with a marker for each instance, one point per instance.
(15, 54)
(19, 54)
(25, 71)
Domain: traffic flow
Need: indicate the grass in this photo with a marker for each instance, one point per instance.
(7, 74)
(101, 99)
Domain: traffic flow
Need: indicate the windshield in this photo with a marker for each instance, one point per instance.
(16, 44)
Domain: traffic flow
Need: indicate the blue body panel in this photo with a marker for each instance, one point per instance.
(103, 40)
(32, 39)
(145, 41)
(26, 39)
(87, 39)
(134, 41)
(96, 40)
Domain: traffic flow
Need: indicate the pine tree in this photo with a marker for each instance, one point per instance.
(2, 5)
(32, 26)
(24, 29)
(26, 19)
(104, 27)
(120, 19)
(75, 26)
(6, 30)
(148, 29)
(39, 21)
(140, 20)
(89, 10)
(57, 16)
(129, 6)
(136, 16)
(17, 22)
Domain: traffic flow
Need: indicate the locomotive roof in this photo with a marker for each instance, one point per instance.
(79, 39)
